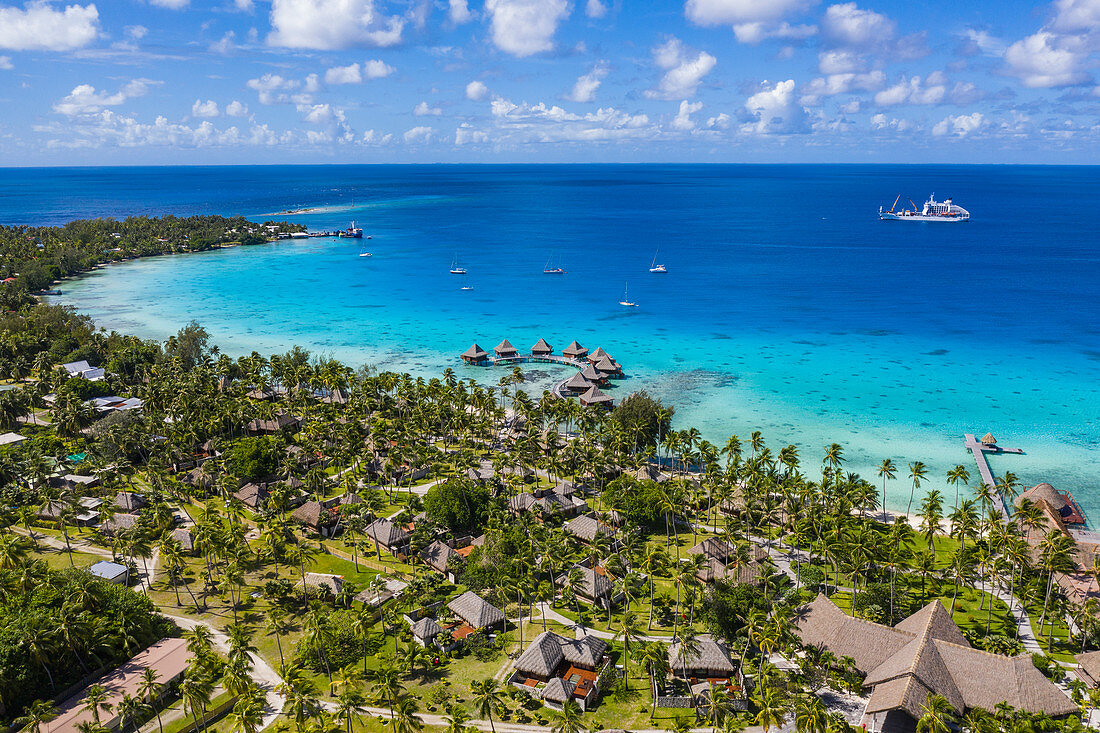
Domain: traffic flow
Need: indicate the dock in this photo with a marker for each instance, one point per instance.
(979, 449)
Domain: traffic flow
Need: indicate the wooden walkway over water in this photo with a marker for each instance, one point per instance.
(980, 449)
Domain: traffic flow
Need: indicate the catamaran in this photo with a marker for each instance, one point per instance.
(626, 301)
(654, 267)
(933, 211)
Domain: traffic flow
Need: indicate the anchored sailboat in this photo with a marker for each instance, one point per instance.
(654, 267)
(626, 301)
(550, 269)
(455, 268)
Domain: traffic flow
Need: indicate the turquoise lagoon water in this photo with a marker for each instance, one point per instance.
(787, 307)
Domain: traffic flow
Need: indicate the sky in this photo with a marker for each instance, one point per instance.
(155, 82)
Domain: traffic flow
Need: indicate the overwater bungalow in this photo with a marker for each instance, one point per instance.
(595, 398)
(542, 348)
(593, 375)
(575, 351)
(609, 367)
(475, 355)
(577, 384)
(505, 350)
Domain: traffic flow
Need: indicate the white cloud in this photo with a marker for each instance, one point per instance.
(5, 63)
(274, 89)
(170, 4)
(344, 75)
(729, 12)
(841, 84)
(720, 121)
(881, 122)
(377, 69)
(959, 125)
(321, 114)
(331, 24)
(418, 135)
(1077, 15)
(245, 6)
(459, 12)
(476, 91)
(595, 9)
(466, 134)
(84, 99)
(1045, 60)
(225, 45)
(236, 109)
(41, 27)
(684, 71)
(585, 88)
(137, 32)
(682, 121)
(848, 25)
(986, 43)
(209, 108)
(839, 61)
(525, 27)
(753, 33)
(423, 109)
(524, 123)
(774, 111)
(930, 90)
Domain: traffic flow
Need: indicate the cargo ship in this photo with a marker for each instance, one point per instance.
(933, 210)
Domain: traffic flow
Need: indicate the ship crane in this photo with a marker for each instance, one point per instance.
(895, 203)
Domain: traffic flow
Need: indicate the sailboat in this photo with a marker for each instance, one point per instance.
(654, 267)
(455, 268)
(548, 270)
(465, 284)
(626, 299)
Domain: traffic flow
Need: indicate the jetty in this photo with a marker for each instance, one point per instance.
(596, 368)
(979, 448)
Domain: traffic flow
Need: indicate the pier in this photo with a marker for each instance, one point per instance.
(979, 448)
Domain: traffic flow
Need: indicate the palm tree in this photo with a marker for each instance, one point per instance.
(150, 691)
(718, 705)
(278, 626)
(771, 708)
(569, 719)
(95, 700)
(350, 706)
(196, 691)
(937, 715)
(917, 473)
(405, 719)
(247, 715)
(954, 476)
(810, 715)
(486, 697)
(37, 713)
(629, 632)
(457, 717)
(128, 709)
(386, 683)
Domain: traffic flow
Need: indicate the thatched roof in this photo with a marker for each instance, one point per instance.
(437, 555)
(128, 501)
(649, 472)
(505, 348)
(926, 653)
(594, 396)
(577, 383)
(251, 495)
(549, 650)
(541, 347)
(326, 581)
(476, 611)
(386, 533)
(710, 658)
(475, 352)
(184, 537)
(426, 628)
(606, 365)
(311, 514)
(598, 354)
(593, 585)
(1088, 668)
(558, 691)
(121, 522)
(1043, 492)
(586, 527)
(521, 502)
(574, 350)
(589, 372)
(988, 439)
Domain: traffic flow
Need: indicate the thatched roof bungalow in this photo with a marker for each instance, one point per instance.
(587, 528)
(475, 355)
(476, 611)
(709, 659)
(595, 398)
(575, 351)
(577, 384)
(541, 348)
(924, 654)
(505, 350)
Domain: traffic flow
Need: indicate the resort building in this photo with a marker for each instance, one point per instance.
(725, 562)
(1088, 669)
(925, 654)
(587, 528)
(556, 669)
(441, 557)
(278, 423)
(11, 439)
(542, 348)
(128, 501)
(112, 572)
(84, 370)
(697, 667)
(595, 398)
(560, 499)
(326, 583)
(475, 355)
(1053, 502)
(388, 535)
(594, 587)
(505, 350)
(577, 384)
(426, 631)
(476, 614)
(574, 351)
(315, 517)
(168, 658)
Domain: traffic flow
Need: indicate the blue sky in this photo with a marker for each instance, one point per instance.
(361, 81)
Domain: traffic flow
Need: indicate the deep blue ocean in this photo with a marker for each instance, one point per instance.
(787, 306)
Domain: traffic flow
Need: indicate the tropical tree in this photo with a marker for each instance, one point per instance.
(569, 719)
(486, 697)
(937, 715)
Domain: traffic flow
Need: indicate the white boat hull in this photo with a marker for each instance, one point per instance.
(887, 216)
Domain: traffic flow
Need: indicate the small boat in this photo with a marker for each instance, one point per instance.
(366, 254)
(654, 267)
(467, 287)
(626, 301)
(455, 268)
(549, 270)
